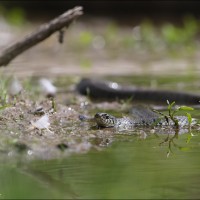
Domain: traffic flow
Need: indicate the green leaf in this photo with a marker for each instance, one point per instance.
(170, 105)
(189, 117)
(185, 108)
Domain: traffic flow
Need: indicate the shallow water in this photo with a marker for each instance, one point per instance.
(129, 168)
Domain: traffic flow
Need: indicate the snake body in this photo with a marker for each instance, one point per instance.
(106, 120)
(103, 90)
(141, 116)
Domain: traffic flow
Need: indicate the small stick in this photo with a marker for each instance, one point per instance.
(43, 32)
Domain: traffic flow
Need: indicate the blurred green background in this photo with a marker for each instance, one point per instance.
(132, 33)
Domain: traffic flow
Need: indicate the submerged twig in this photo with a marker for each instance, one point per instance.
(43, 32)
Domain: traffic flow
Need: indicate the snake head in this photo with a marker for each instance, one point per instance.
(105, 120)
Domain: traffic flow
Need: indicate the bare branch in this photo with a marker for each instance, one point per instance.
(43, 32)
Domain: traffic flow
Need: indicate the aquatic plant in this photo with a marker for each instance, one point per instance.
(172, 111)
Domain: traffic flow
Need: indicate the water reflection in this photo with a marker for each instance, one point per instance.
(127, 169)
(53, 184)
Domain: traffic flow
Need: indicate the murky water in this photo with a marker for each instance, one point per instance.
(129, 168)
(158, 167)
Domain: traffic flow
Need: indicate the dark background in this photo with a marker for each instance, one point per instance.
(150, 9)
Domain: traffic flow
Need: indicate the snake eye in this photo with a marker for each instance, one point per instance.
(107, 117)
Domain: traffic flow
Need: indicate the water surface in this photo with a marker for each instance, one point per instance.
(129, 168)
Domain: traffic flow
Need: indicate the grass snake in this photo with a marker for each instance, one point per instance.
(141, 116)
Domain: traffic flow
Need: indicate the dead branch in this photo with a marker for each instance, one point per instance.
(43, 32)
